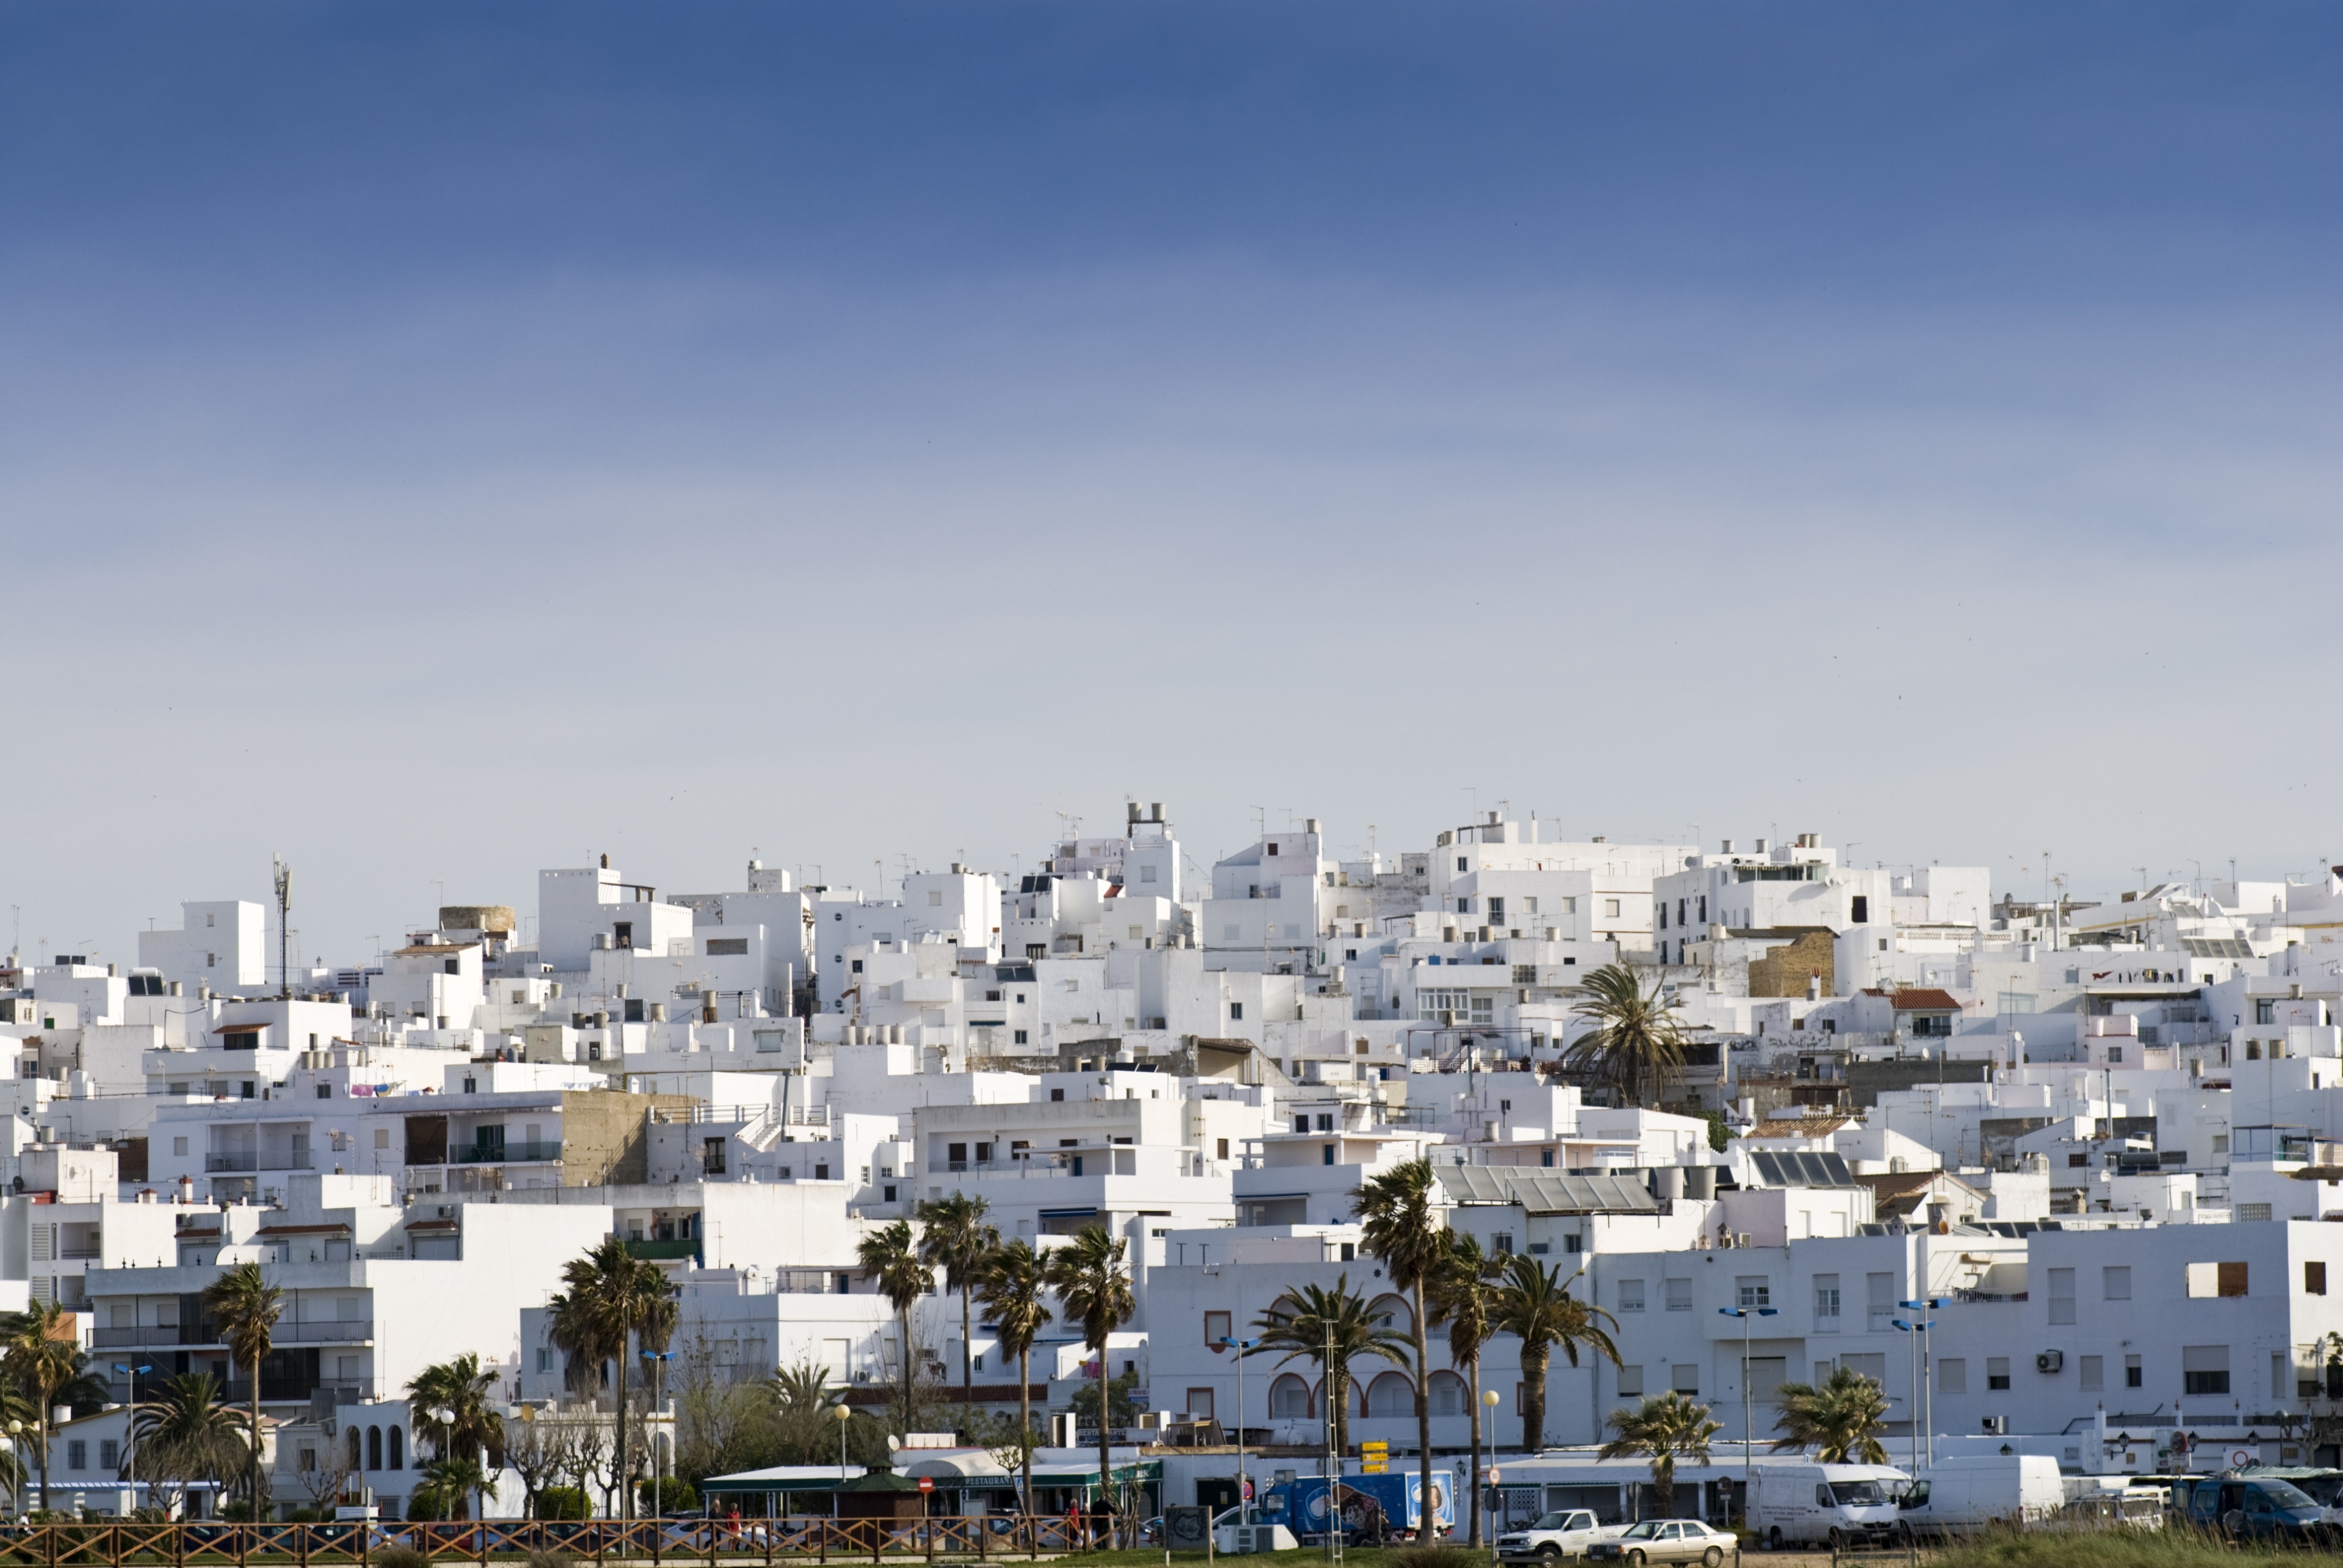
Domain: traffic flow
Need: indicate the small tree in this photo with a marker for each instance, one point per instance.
(1634, 1040)
(1841, 1420)
(1536, 1305)
(1663, 1429)
(246, 1307)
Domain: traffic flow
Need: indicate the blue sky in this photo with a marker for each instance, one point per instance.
(439, 441)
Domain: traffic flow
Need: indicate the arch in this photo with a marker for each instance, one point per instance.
(1390, 1394)
(1449, 1396)
(374, 1448)
(1290, 1398)
(398, 1449)
(1393, 1313)
(357, 1454)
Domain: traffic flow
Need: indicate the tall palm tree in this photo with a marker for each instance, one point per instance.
(611, 1301)
(1331, 1328)
(246, 1307)
(471, 1426)
(1635, 1042)
(890, 1256)
(1017, 1306)
(1534, 1306)
(1459, 1295)
(1093, 1289)
(1663, 1429)
(1402, 1227)
(958, 1241)
(1841, 1418)
(185, 1432)
(40, 1352)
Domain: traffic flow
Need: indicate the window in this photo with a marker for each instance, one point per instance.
(1879, 1291)
(1680, 1295)
(1630, 1298)
(1827, 1304)
(2062, 1296)
(1997, 1372)
(1326, 1155)
(1500, 1242)
(2264, 1012)
(1858, 910)
(77, 1455)
(1685, 1377)
(727, 946)
(2216, 1279)
(1610, 907)
(545, 1358)
(1146, 874)
(1461, 864)
(1236, 1010)
(2204, 1368)
(2314, 1279)
(1216, 1328)
(1199, 1403)
(2220, 1143)
(1952, 1374)
(178, 1146)
(1021, 1041)
(1631, 1382)
(2131, 1371)
(2115, 1284)
(2094, 1373)
(2249, 1211)
(1751, 1290)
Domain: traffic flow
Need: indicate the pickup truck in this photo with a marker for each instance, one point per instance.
(1565, 1532)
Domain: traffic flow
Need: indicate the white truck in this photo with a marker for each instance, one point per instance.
(1564, 1533)
(1961, 1495)
(1811, 1504)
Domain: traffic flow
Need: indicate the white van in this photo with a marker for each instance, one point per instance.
(1957, 1496)
(1811, 1504)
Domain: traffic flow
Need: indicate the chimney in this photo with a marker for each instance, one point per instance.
(1725, 848)
(606, 861)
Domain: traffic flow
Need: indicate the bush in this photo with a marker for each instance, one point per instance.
(675, 1497)
(399, 1557)
(561, 1502)
(1437, 1556)
(539, 1557)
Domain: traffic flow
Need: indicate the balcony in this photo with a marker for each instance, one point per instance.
(344, 1331)
(504, 1153)
(289, 1159)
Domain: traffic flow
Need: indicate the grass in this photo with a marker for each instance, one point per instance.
(2169, 1548)
(1302, 1557)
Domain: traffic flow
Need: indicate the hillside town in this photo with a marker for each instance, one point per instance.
(1122, 1183)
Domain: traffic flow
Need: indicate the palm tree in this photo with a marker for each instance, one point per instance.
(185, 1434)
(1534, 1306)
(246, 1307)
(1403, 1228)
(802, 1390)
(1841, 1420)
(40, 1352)
(1663, 1430)
(1016, 1306)
(890, 1256)
(1331, 1328)
(449, 1483)
(1635, 1043)
(958, 1241)
(1094, 1289)
(611, 1301)
(470, 1426)
(1459, 1295)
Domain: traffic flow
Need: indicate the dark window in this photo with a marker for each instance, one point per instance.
(2314, 1279)
(1327, 1155)
(1057, 1094)
(1859, 909)
(1301, 1124)
(1236, 1010)
(623, 934)
(2195, 1382)
(2132, 1375)
(1020, 1040)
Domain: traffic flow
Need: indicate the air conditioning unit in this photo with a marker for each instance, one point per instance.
(2049, 1360)
(1997, 1424)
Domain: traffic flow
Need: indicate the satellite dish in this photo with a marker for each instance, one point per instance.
(893, 1443)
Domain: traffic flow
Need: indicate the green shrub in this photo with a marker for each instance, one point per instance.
(1437, 1556)
(539, 1557)
(675, 1497)
(399, 1557)
(562, 1502)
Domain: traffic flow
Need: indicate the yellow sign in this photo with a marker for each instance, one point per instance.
(1377, 1447)
(1374, 1458)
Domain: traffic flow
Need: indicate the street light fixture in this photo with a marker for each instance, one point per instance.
(1490, 1401)
(1244, 1497)
(1923, 1406)
(843, 1415)
(130, 1428)
(658, 1360)
(1748, 1400)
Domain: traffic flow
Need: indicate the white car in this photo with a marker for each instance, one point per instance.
(1565, 1532)
(1668, 1540)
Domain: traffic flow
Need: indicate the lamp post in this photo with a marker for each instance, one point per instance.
(1490, 1401)
(1923, 1411)
(1244, 1498)
(130, 1428)
(1748, 1400)
(658, 1360)
(843, 1415)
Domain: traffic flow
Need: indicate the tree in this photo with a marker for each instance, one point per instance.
(890, 1256)
(1459, 1295)
(471, 1427)
(1634, 1041)
(538, 1451)
(1331, 1328)
(1534, 1306)
(41, 1354)
(1094, 1289)
(246, 1307)
(1017, 1309)
(610, 1300)
(1840, 1420)
(1403, 1229)
(958, 1241)
(185, 1433)
(449, 1483)
(1663, 1429)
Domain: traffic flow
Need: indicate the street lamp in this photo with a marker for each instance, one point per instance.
(658, 1360)
(130, 1428)
(1748, 1400)
(1244, 1498)
(1490, 1401)
(843, 1415)
(1922, 1407)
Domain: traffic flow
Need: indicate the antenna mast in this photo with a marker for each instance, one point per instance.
(283, 878)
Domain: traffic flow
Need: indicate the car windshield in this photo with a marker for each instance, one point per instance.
(2285, 1494)
(1558, 1520)
(1644, 1531)
(1846, 1491)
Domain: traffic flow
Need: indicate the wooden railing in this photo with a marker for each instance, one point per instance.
(600, 1540)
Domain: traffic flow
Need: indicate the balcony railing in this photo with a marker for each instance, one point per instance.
(504, 1153)
(295, 1160)
(341, 1331)
(79, 1250)
(213, 1162)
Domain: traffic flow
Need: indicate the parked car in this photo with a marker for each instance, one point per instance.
(1667, 1541)
(1565, 1532)
(2257, 1509)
